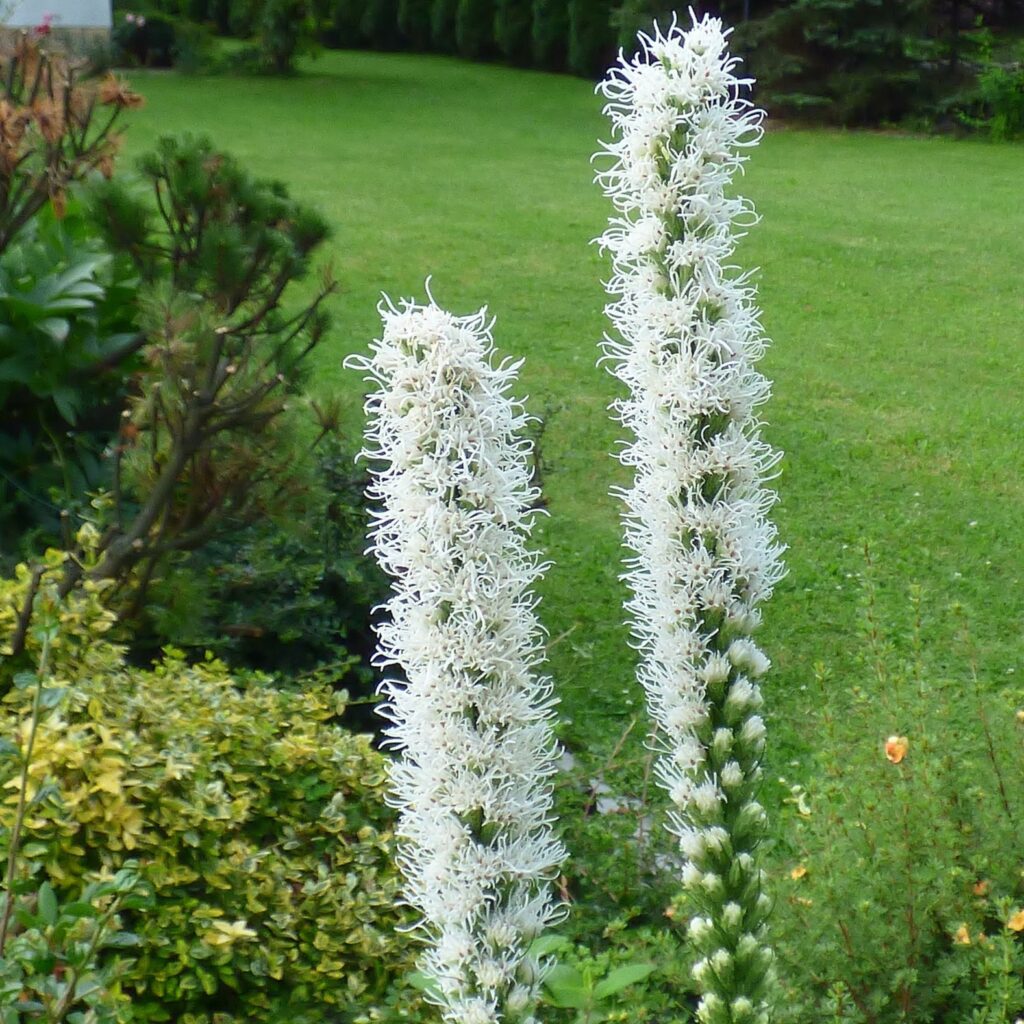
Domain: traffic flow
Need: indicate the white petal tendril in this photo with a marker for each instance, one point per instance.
(686, 340)
(472, 723)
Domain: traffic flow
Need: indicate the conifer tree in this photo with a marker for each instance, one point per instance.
(512, 23)
(442, 25)
(414, 22)
(474, 29)
(591, 40)
(550, 35)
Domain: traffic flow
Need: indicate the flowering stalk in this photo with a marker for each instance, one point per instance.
(696, 513)
(473, 721)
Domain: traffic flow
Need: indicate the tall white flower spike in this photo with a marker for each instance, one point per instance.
(705, 555)
(473, 721)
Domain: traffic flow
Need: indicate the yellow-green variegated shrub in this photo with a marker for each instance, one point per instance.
(258, 824)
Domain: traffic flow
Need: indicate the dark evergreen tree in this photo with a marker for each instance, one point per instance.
(849, 61)
(442, 25)
(346, 24)
(591, 37)
(380, 24)
(414, 22)
(513, 20)
(474, 29)
(633, 16)
(550, 38)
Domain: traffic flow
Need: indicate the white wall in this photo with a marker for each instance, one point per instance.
(66, 13)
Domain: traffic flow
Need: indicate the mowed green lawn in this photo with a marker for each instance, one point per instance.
(891, 286)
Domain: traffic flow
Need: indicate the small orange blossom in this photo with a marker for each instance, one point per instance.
(896, 748)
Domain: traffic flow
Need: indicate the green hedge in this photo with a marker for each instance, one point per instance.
(259, 826)
(513, 20)
(474, 28)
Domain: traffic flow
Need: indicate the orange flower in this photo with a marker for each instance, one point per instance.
(980, 888)
(962, 936)
(798, 872)
(1016, 922)
(114, 92)
(896, 748)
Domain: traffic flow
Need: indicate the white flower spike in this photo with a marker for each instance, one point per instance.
(473, 722)
(705, 555)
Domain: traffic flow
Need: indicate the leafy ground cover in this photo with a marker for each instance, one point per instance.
(890, 286)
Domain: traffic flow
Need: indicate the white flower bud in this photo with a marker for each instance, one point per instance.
(685, 343)
(455, 499)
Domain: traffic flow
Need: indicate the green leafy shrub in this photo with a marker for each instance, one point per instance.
(67, 321)
(292, 597)
(145, 39)
(512, 23)
(550, 33)
(257, 823)
(474, 28)
(442, 25)
(901, 898)
(414, 21)
(995, 103)
(591, 40)
(285, 29)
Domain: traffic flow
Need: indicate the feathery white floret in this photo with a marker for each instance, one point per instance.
(686, 340)
(472, 723)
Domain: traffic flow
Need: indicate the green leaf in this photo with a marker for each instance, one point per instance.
(122, 940)
(55, 327)
(620, 978)
(66, 401)
(47, 904)
(424, 983)
(546, 945)
(52, 696)
(567, 988)
(7, 748)
(79, 909)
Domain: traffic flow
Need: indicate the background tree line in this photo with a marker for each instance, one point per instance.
(842, 61)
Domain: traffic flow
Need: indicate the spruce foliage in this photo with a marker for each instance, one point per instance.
(474, 29)
(550, 33)
(442, 25)
(590, 36)
(346, 29)
(513, 20)
(380, 24)
(414, 22)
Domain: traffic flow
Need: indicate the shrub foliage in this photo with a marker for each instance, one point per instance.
(258, 825)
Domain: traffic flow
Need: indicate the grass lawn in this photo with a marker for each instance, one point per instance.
(890, 285)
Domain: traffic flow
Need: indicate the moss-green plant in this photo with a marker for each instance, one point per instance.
(258, 824)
